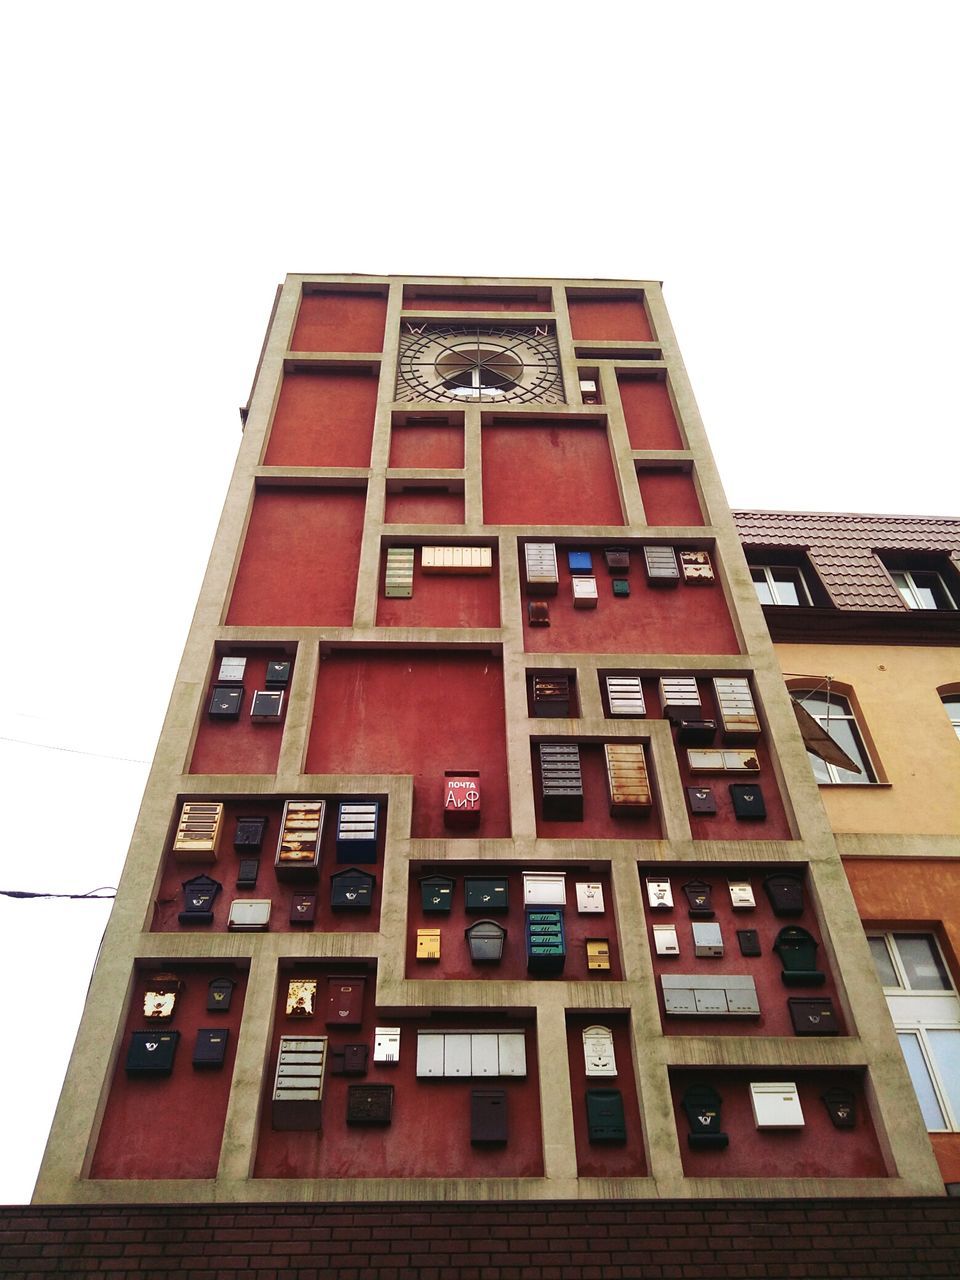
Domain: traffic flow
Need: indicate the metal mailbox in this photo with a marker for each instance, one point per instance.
(718, 761)
(278, 674)
(488, 1117)
(628, 782)
(538, 613)
(160, 997)
(696, 733)
(428, 944)
(152, 1052)
(598, 954)
(606, 1121)
(665, 940)
(701, 800)
(776, 1105)
(621, 587)
(702, 1106)
(248, 869)
(544, 888)
(696, 567)
(785, 893)
(199, 831)
(248, 835)
(210, 1047)
(298, 847)
(585, 594)
(352, 890)
(841, 1107)
(680, 697)
(369, 1105)
(797, 950)
(580, 562)
(749, 940)
(349, 1059)
(199, 895)
(487, 893)
(231, 670)
(540, 560)
(267, 706)
(661, 566)
(456, 560)
(303, 908)
(707, 939)
(225, 702)
(562, 782)
(813, 1017)
(741, 895)
(357, 826)
(219, 995)
(461, 798)
(617, 559)
(546, 942)
(710, 995)
(589, 897)
(699, 895)
(398, 577)
(344, 1007)
(249, 915)
(747, 798)
(298, 1083)
(738, 714)
(599, 1057)
(659, 894)
(551, 696)
(436, 893)
(386, 1044)
(625, 696)
(301, 998)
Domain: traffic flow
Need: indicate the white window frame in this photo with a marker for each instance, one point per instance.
(768, 571)
(910, 591)
(920, 1024)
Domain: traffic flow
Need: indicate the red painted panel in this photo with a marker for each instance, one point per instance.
(649, 415)
(549, 473)
(370, 713)
(335, 321)
(605, 1159)
(243, 745)
(455, 959)
(169, 900)
(471, 301)
(423, 446)
(314, 536)
(324, 418)
(597, 822)
(171, 1126)
(424, 506)
(650, 620)
(609, 319)
(430, 1133)
(765, 969)
(818, 1150)
(669, 497)
(441, 600)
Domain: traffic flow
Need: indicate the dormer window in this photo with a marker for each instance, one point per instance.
(779, 584)
(922, 589)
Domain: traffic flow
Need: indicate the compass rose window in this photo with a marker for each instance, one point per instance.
(484, 363)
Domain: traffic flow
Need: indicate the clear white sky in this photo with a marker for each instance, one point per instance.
(789, 171)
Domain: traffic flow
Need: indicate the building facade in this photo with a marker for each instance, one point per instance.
(481, 857)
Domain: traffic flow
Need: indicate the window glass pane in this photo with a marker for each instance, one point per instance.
(952, 707)
(820, 770)
(903, 586)
(921, 962)
(764, 594)
(816, 703)
(785, 581)
(945, 1051)
(845, 736)
(926, 596)
(930, 1107)
(881, 958)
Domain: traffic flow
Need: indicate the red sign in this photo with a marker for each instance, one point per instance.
(461, 799)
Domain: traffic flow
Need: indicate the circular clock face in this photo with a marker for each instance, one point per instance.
(501, 363)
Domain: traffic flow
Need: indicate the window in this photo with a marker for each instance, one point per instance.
(922, 589)
(926, 1015)
(835, 717)
(951, 703)
(779, 584)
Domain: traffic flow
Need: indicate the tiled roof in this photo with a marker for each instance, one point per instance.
(841, 548)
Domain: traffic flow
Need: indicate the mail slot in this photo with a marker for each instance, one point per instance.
(599, 1057)
(699, 896)
(813, 1017)
(461, 799)
(785, 893)
(357, 825)
(344, 1002)
(606, 1121)
(551, 695)
(199, 895)
(702, 1106)
(303, 908)
(248, 835)
(487, 894)
(598, 954)
(797, 950)
(210, 1047)
(488, 1117)
(436, 893)
(748, 802)
(369, 1105)
(199, 831)
(841, 1107)
(661, 566)
(701, 800)
(352, 890)
(225, 702)
(219, 995)
(562, 782)
(152, 1052)
(776, 1105)
(428, 944)
(628, 784)
(349, 1060)
(485, 940)
(696, 567)
(590, 898)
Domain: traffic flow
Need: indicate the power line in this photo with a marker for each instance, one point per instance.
(92, 895)
(74, 751)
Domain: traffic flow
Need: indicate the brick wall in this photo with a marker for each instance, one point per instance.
(650, 1240)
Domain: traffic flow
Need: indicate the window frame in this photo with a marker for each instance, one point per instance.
(910, 592)
(871, 775)
(953, 715)
(768, 571)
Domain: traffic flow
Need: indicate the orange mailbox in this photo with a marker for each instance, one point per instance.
(461, 799)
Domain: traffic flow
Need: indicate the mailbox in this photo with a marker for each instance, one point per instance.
(621, 587)
(369, 1105)
(349, 1060)
(696, 567)
(701, 800)
(625, 696)
(160, 997)
(231, 670)
(301, 997)
(487, 894)
(210, 1047)
(699, 896)
(562, 782)
(661, 566)
(797, 950)
(546, 942)
(248, 835)
(738, 715)
(580, 562)
(225, 702)
(544, 889)
(696, 733)
(436, 893)
(344, 1002)
(589, 392)
(398, 578)
(599, 1058)
(707, 939)
(665, 941)
(152, 1052)
(749, 940)
(267, 706)
(249, 915)
(538, 613)
(303, 908)
(461, 798)
(747, 801)
(357, 824)
(617, 558)
(428, 944)
(680, 697)
(352, 890)
(485, 940)
(386, 1044)
(628, 784)
(456, 560)
(813, 1017)
(741, 895)
(488, 1117)
(585, 594)
(659, 894)
(219, 995)
(706, 761)
(247, 871)
(540, 560)
(709, 995)
(278, 675)
(605, 1116)
(776, 1105)
(199, 895)
(785, 893)
(551, 696)
(298, 1083)
(702, 1106)
(199, 831)
(298, 847)
(590, 898)
(841, 1107)
(598, 954)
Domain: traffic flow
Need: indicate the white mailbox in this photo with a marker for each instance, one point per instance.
(707, 939)
(659, 894)
(679, 999)
(741, 895)
(599, 1058)
(665, 940)
(249, 914)
(625, 696)
(776, 1105)
(589, 898)
(513, 1053)
(456, 1054)
(585, 593)
(544, 889)
(710, 1000)
(231, 670)
(386, 1044)
(484, 1054)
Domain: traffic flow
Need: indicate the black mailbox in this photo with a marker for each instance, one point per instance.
(605, 1118)
(702, 1106)
(247, 871)
(486, 895)
(797, 950)
(349, 1060)
(278, 675)
(210, 1047)
(701, 800)
(488, 1117)
(248, 837)
(199, 895)
(785, 893)
(699, 899)
(152, 1052)
(696, 733)
(617, 558)
(813, 1016)
(436, 893)
(748, 805)
(370, 1104)
(749, 940)
(352, 890)
(841, 1107)
(303, 908)
(538, 613)
(225, 702)
(485, 940)
(219, 995)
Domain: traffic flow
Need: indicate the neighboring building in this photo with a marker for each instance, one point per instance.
(481, 857)
(864, 612)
